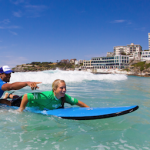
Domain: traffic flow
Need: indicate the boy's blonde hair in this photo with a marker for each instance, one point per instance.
(56, 83)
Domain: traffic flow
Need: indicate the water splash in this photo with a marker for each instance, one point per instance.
(47, 77)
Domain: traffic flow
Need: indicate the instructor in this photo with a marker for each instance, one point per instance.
(5, 75)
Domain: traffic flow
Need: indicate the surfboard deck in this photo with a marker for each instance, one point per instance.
(80, 113)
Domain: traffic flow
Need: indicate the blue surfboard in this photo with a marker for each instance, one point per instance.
(80, 113)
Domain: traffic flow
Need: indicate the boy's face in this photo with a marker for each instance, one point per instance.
(61, 90)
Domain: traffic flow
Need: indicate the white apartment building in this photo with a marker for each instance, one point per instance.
(72, 61)
(129, 49)
(137, 55)
(132, 48)
(78, 62)
(149, 41)
(145, 55)
(87, 64)
(119, 49)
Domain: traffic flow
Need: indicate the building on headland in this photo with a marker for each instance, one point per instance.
(78, 62)
(135, 56)
(119, 59)
(72, 61)
(87, 64)
(128, 50)
(132, 48)
(65, 61)
(145, 55)
(114, 62)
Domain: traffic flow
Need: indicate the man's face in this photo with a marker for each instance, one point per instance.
(5, 77)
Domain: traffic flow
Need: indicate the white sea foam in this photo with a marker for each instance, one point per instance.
(47, 77)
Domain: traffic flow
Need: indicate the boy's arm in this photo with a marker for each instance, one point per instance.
(23, 103)
(81, 104)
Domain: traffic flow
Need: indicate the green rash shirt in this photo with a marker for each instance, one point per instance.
(47, 100)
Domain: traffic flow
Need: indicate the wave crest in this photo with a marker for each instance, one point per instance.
(47, 77)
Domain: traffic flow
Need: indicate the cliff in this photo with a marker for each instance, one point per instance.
(37, 66)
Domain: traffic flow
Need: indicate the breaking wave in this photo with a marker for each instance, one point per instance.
(47, 77)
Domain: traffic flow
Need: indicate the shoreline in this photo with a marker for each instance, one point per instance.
(124, 74)
(117, 71)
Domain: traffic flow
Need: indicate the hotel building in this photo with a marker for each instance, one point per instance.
(129, 49)
(118, 61)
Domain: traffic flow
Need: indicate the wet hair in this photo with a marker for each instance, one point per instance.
(56, 83)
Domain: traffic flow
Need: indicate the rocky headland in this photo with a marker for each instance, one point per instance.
(136, 68)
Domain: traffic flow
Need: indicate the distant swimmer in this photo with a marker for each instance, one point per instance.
(5, 75)
(50, 99)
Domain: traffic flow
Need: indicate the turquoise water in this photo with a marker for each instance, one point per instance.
(27, 131)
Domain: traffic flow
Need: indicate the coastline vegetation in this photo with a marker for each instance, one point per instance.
(142, 66)
(40, 66)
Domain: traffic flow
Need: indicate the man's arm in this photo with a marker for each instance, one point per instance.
(19, 85)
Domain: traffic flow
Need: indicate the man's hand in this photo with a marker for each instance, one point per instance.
(19, 85)
(33, 85)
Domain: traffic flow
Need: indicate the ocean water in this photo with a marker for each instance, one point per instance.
(28, 131)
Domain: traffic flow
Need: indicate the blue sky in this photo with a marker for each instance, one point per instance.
(51, 30)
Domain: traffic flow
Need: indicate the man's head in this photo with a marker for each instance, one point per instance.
(5, 73)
